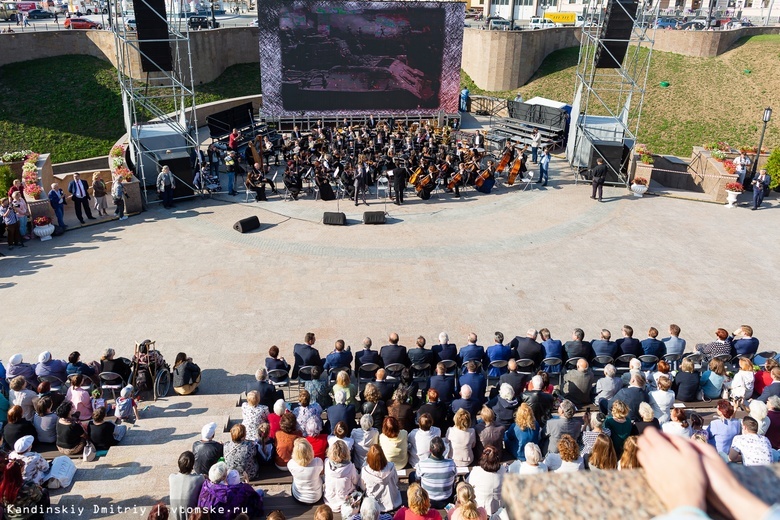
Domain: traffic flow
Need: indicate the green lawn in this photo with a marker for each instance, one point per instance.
(78, 114)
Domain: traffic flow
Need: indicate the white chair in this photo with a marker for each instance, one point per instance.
(383, 184)
(249, 195)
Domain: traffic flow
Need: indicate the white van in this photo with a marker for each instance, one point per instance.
(537, 22)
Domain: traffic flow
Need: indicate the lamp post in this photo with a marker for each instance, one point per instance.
(767, 116)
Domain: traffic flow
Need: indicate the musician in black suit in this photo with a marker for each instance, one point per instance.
(292, 180)
(305, 354)
(479, 140)
(400, 178)
(394, 353)
(296, 133)
(367, 356)
(371, 122)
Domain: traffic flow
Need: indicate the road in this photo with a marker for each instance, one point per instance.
(227, 20)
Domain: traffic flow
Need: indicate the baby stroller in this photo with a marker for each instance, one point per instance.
(150, 372)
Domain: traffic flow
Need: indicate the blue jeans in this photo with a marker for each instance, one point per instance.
(534, 154)
(58, 211)
(214, 168)
(543, 174)
(231, 178)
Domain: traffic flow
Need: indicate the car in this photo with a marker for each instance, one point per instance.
(80, 23)
(201, 22)
(500, 25)
(537, 22)
(691, 26)
(666, 23)
(130, 24)
(253, 23)
(39, 13)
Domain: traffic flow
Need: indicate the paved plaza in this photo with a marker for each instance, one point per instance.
(514, 259)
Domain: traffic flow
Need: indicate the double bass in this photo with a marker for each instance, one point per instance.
(504, 162)
(516, 167)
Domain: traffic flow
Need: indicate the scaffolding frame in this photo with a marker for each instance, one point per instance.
(615, 93)
(140, 96)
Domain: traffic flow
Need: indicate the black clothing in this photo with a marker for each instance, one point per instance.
(68, 435)
(686, 386)
(185, 373)
(14, 432)
(102, 435)
(526, 348)
(438, 411)
(367, 356)
(207, 453)
(377, 411)
(541, 403)
(119, 366)
(394, 354)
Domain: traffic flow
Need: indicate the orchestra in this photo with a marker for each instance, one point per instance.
(349, 157)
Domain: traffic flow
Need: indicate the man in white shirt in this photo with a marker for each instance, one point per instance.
(742, 162)
(750, 448)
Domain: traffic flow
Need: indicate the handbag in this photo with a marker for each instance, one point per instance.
(60, 473)
(89, 452)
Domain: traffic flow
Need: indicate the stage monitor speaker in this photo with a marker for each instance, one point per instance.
(334, 219)
(614, 154)
(245, 225)
(615, 33)
(151, 24)
(179, 163)
(374, 217)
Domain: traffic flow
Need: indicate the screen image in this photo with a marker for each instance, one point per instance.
(341, 58)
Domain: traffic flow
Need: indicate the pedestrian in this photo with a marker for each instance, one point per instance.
(464, 99)
(536, 139)
(742, 162)
(56, 18)
(22, 211)
(57, 201)
(11, 221)
(760, 186)
(118, 194)
(99, 192)
(78, 190)
(544, 166)
(165, 186)
(599, 174)
(26, 19)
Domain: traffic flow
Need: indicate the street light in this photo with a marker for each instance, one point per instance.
(767, 116)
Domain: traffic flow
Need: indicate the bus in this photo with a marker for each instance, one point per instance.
(10, 11)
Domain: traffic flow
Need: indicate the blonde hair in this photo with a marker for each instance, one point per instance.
(619, 410)
(488, 415)
(629, 459)
(253, 398)
(95, 175)
(342, 379)
(462, 420)
(524, 418)
(338, 452)
(302, 452)
(418, 499)
(664, 383)
(745, 364)
(467, 500)
(686, 365)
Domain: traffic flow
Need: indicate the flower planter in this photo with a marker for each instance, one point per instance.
(638, 189)
(731, 198)
(44, 232)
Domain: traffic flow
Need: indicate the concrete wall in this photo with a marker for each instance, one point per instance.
(506, 60)
(704, 44)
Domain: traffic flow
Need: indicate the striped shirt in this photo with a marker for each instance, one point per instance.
(437, 477)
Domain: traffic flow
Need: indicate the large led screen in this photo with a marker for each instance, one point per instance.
(322, 58)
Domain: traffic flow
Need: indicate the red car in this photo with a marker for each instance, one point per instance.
(80, 23)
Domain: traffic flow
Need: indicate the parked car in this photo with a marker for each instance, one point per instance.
(666, 23)
(537, 22)
(201, 22)
(80, 23)
(130, 24)
(39, 13)
(692, 26)
(501, 25)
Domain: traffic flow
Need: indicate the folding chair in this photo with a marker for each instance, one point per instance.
(553, 366)
(110, 381)
(383, 184)
(526, 366)
(599, 362)
(366, 374)
(280, 379)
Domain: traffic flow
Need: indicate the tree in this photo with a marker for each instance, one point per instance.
(773, 168)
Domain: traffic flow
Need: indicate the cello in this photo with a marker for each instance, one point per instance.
(516, 167)
(415, 175)
(482, 177)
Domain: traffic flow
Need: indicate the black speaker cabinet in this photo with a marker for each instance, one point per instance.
(334, 219)
(179, 163)
(245, 225)
(614, 154)
(615, 33)
(152, 29)
(374, 217)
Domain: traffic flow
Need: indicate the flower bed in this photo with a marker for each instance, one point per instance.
(734, 186)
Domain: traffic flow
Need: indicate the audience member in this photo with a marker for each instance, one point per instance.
(619, 425)
(553, 348)
(401, 408)
(445, 351)
(524, 430)
(241, 453)
(686, 382)
(341, 412)
(341, 478)
(662, 399)
(466, 507)
(104, 434)
(224, 495)
(317, 387)
(527, 348)
(604, 346)
(274, 362)
(35, 466)
(652, 346)
(743, 343)
(724, 428)
(184, 487)
(773, 414)
(540, 402)
(394, 353)
(394, 442)
(80, 397)
(266, 391)
(533, 464)
(594, 423)
(468, 403)
(663, 369)
(472, 351)
(18, 368)
(379, 480)
(312, 432)
(505, 406)
(44, 390)
(678, 424)
(306, 355)
(763, 378)
(720, 347)
(628, 344)
(435, 408)
(206, 451)
(373, 405)
(750, 448)
(306, 471)
(443, 384)
(577, 347)
(285, 438)
(71, 437)
(475, 380)
(773, 388)
(462, 439)
(486, 480)
(436, 474)
(364, 437)
(340, 433)
(275, 418)
(743, 382)
(125, 408)
(674, 344)
(385, 387)
(609, 385)
(343, 384)
(45, 421)
(49, 367)
(759, 411)
(21, 396)
(513, 378)
(306, 408)
(18, 494)
(603, 456)
(498, 352)
(253, 413)
(186, 375)
(578, 384)
(629, 459)
(632, 396)
(420, 439)
(339, 358)
(420, 505)
(564, 424)
(649, 420)
(366, 356)
(712, 380)
(566, 458)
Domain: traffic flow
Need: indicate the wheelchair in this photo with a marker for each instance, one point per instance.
(149, 370)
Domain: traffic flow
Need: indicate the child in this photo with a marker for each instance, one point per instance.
(265, 446)
(126, 407)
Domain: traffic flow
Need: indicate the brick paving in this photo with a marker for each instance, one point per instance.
(506, 261)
